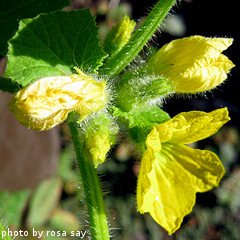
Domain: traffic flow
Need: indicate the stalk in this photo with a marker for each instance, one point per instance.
(92, 189)
(142, 35)
(113, 66)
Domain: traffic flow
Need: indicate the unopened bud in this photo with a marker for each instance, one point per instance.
(48, 101)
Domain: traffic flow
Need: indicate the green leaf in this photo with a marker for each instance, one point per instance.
(7, 85)
(11, 11)
(44, 201)
(12, 206)
(140, 121)
(63, 220)
(3, 232)
(142, 116)
(52, 44)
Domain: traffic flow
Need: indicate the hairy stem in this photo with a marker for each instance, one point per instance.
(92, 189)
(141, 36)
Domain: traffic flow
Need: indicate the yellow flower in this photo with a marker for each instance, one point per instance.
(171, 173)
(194, 64)
(47, 102)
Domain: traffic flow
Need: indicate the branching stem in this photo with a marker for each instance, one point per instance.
(142, 35)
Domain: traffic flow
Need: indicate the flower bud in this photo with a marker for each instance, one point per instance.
(194, 64)
(119, 35)
(47, 102)
(135, 90)
(100, 135)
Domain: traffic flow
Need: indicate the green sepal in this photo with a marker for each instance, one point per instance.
(140, 121)
(143, 116)
(138, 88)
(139, 136)
(52, 44)
(7, 85)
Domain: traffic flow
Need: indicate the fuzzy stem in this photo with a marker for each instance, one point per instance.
(92, 189)
(141, 36)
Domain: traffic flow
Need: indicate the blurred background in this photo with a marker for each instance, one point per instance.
(39, 184)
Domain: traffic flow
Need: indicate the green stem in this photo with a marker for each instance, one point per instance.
(92, 189)
(141, 36)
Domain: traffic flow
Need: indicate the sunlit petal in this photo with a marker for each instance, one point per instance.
(189, 127)
(194, 64)
(168, 182)
(164, 190)
(204, 167)
(47, 102)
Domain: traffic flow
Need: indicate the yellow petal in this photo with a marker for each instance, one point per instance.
(47, 102)
(189, 127)
(169, 179)
(194, 64)
(164, 190)
(153, 141)
(203, 166)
